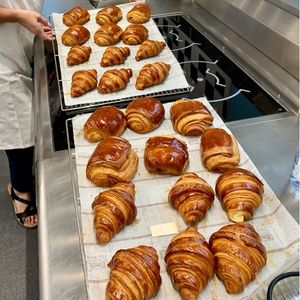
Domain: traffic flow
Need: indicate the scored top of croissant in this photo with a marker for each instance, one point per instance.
(109, 14)
(108, 34)
(75, 35)
(135, 34)
(76, 16)
(78, 55)
(140, 13)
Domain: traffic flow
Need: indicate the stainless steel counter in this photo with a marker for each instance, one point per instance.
(270, 142)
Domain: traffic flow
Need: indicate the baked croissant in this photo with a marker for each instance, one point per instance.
(239, 255)
(140, 13)
(135, 34)
(134, 274)
(144, 114)
(219, 150)
(149, 48)
(192, 196)
(190, 117)
(108, 34)
(76, 16)
(166, 155)
(104, 122)
(78, 55)
(114, 56)
(109, 14)
(114, 80)
(83, 81)
(75, 35)
(190, 263)
(113, 209)
(240, 193)
(152, 74)
(112, 161)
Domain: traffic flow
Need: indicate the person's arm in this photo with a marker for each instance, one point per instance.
(31, 20)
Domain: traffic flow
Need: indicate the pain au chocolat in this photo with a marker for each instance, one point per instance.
(135, 34)
(108, 34)
(76, 16)
(75, 35)
(140, 13)
(109, 14)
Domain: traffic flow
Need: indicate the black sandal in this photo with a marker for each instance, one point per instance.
(30, 210)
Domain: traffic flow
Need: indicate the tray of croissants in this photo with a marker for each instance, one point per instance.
(171, 206)
(111, 54)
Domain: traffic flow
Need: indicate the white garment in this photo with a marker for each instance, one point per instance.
(16, 84)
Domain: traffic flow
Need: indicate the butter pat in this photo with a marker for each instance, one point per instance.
(163, 229)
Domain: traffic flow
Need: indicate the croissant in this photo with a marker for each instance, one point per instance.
(75, 35)
(192, 196)
(190, 117)
(134, 274)
(166, 155)
(78, 55)
(152, 74)
(108, 34)
(109, 14)
(112, 161)
(240, 193)
(114, 80)
(104, 122)
(83, 81)
(190, 263)
(114, 56)
(135, 34)
(140, 13)
(219, 150)
(144, 114)
(113, 209)
(149, 48)
(76, 16)
(239, 255)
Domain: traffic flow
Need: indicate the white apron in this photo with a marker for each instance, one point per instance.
(16, 84)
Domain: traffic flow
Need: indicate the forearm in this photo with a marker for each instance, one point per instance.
(9, 14)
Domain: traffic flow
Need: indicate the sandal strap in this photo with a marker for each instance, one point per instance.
(29, 211)
(29, 203)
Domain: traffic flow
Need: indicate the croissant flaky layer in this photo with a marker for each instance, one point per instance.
(113, 209)
(190, 263)
(239, 255)
(83, 81)
(191, 196)
(112, 161)
(114, 80)
(190, 117)
(240, 193)
(109, 14)
(219, 150)
(166, 155)
(108, 34)
(75, 35)
(114, 56)
(78, 55)
(140, 13)
(76, 16)
(134, 274)
(135, 34)
(152, 74)
(144, 114)
(149, 48)
(104, 122)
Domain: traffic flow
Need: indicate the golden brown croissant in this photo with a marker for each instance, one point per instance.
(104, 122)
(114, 80)
(190, 117)
(135, 274)
(112, 161)
(83, 81)
(190, 263)
(76, 16)
(78, 55)
(113, 209)
(239, 255)
(114, 56)
(108, 34)
(75, 35)
(109, 14)
(135, 34)
(152, 74)
(240, 193)
(166, 155)
(149, 48)
(140, 13)
(144, 114)
(191, 196)
(219, 150)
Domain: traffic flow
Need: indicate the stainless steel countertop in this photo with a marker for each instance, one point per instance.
(270, 142)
